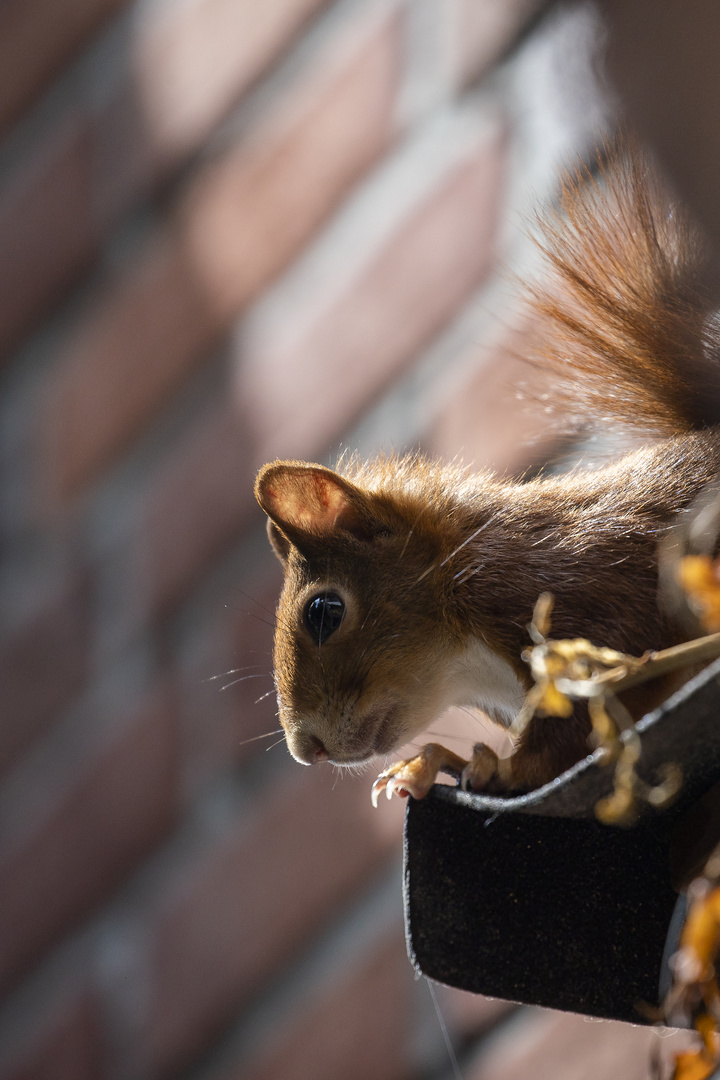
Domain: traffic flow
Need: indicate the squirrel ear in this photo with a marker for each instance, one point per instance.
(309, 499)
(278, 542)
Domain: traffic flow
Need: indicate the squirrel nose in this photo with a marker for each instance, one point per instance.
(306, 748)
(318, 752)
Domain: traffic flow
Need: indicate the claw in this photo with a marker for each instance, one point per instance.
(379, 785)
(415, 776)
(388, 783)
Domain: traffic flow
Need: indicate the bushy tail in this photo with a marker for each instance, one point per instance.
(626, 319)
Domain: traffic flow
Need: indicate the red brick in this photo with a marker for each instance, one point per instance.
(497, 419)
(42, 665)
(244, 219)
(193, 506)
(112, 812)
(293, 400)
(482, 32)
(189, 63)
(186, 66)
(256, 898)
(560, 1046)
(253, 608)
(237, 226)
(298, 393)
(36, 38)
(141, 338)
(67, 1045)
(48, 232)
(223, 726)
(359, 1028)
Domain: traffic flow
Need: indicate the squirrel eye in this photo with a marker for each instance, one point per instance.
(322, 616)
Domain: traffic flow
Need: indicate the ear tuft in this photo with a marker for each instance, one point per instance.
(310, 499)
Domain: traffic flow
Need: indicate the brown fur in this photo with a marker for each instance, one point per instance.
(434, 563)
(627, 319)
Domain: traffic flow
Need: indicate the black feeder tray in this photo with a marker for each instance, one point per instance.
(531, 899)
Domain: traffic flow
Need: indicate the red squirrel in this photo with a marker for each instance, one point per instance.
(409, 583)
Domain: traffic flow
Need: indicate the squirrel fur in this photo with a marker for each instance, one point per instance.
(409, 583)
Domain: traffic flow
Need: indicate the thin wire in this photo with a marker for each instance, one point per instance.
(445, 1032)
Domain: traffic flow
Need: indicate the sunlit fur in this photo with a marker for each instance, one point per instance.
(440, 569)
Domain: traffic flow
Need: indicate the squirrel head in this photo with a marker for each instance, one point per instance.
(364, 640)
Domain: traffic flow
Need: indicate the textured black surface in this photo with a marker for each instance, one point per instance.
(531, 899)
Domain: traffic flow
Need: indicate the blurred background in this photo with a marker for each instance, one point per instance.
(234, 230)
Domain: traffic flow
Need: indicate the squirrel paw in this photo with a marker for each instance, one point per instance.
(416, 775)
(483, 771)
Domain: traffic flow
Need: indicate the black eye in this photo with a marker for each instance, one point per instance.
(323, 614)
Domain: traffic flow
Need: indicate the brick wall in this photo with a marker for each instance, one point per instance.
(231, 231)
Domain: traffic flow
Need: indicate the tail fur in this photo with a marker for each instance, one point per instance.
(627, 321)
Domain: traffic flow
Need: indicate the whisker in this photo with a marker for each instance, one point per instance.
(407, 541)
(433, 566)
(438, 566)
(254, 738)
(369, 611)
(468, 572)
(244, 678)
(236, 588)
(232, 671)
(471, 537)
(263, 696)
(253, 615)
(480, 718)
(273, 745)
(446, 736)
(414, 745)
(410, 533)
